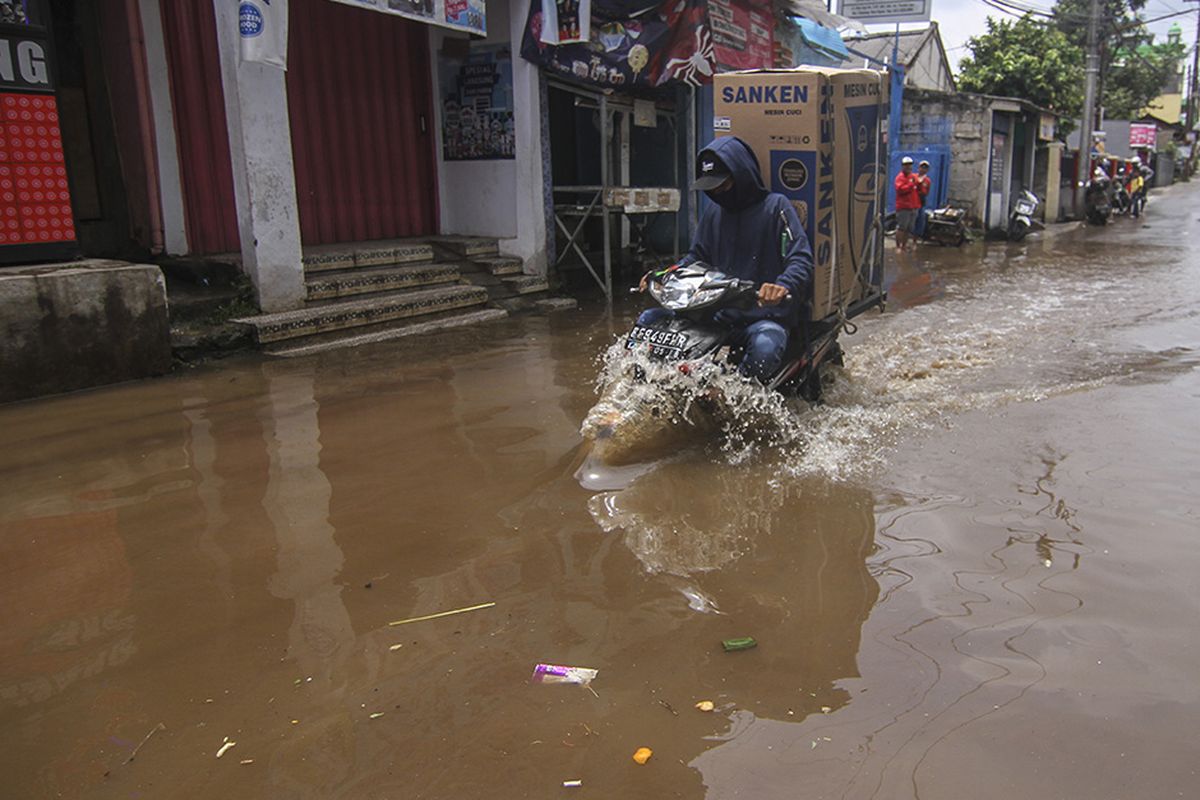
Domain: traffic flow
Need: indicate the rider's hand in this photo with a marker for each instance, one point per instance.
(645, 282)
(771, 294)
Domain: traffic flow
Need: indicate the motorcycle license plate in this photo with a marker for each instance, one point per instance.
(660, 342)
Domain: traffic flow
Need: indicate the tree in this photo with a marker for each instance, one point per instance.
(1026, 59)
(1133, 70)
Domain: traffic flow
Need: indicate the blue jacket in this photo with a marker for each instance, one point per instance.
(754, 234)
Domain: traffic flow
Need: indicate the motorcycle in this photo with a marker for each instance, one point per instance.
(1096, 202)
(1021, 218)
(946, 226)
(695, 293)
(695, 347)
(1121, 201)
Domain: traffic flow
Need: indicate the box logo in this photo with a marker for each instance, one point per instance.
(793, 175)
(764, 94)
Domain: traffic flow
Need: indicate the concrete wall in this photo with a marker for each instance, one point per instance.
(502, 198)
(966, 121)
(71, 326)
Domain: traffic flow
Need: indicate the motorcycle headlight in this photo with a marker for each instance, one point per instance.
(677, 295)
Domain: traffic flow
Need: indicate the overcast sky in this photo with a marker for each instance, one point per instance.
(958, 20)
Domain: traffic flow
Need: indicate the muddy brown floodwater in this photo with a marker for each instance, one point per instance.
(971, 573)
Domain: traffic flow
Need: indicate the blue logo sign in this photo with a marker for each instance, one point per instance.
(250, 21)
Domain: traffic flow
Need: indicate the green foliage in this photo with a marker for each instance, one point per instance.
(1042, 61)
(1133, 70)
(1026, 59)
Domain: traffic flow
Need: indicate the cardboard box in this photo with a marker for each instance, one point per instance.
(805, 127)
(858, 109)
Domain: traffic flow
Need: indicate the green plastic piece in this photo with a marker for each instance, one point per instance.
(744, 643)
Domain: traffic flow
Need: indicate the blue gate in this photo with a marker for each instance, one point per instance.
(938, 157)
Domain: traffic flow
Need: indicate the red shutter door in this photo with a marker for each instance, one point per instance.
(361, 122)
(203, 139)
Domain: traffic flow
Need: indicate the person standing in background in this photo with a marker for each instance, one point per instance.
(908, 201)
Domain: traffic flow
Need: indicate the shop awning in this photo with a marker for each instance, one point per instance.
(824, 40)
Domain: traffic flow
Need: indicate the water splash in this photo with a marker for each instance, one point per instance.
(1018, 336)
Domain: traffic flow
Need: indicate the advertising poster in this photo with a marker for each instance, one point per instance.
(743, 34)
(669, 44)
(1143, 135)
(477, 105)
(566, 21)
(462, 15)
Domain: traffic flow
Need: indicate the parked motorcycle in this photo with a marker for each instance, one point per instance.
(1021, 218)
(1121, 201)
(946, 226)
(1097, 198)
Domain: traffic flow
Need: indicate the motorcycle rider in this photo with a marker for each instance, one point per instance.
(754, 235)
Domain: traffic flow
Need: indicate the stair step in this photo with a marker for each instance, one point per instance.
(356, 313)
(368, 281)
(468, 246)
(412, 329)
(527, 284)
(323, 258)
(500, 265)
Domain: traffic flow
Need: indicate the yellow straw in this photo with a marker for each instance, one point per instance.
(442, 614)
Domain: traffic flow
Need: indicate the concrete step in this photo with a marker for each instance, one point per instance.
(284, 325)
(443, 322)
(466, 246)
(323, 258)
(500, 265)
(527, 284)
(379, 279)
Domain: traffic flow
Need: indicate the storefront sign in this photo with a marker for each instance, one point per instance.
(463, 15)
(477, 105)
(1143, 135)
(1046, 127)
(23, 64)
(872, 12)
(742, 33)
(36, 217)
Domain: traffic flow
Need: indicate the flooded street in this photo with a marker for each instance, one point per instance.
(971, 573)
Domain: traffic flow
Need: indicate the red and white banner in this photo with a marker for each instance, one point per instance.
(1143, 135)
(743, 33)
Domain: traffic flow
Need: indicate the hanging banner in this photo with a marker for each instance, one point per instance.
(668, 43)
(477, 105)
(263, 26)
(461, 15)
(566, 21)
(743, 34)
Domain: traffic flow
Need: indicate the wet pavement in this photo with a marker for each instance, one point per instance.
(971, 573)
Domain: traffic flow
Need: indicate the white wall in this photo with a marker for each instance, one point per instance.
(502, 198)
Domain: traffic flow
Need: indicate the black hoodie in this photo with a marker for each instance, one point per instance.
(754, 234)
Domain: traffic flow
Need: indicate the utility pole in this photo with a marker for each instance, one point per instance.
(1088, 123)
(1192, 105)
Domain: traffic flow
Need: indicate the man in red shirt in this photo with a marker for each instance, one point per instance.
(908, 200)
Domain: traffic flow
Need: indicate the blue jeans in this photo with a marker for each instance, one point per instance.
(764, 342)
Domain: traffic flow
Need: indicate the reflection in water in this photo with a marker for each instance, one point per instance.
(784, 561)
(297, 503)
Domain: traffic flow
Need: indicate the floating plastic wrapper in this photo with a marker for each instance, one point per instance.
(554, 673)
